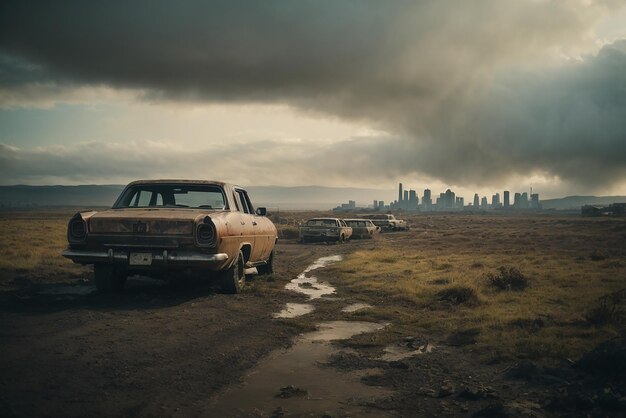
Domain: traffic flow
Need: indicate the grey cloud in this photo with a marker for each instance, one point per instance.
(442, 76)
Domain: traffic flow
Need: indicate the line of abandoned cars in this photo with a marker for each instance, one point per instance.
(340, 230)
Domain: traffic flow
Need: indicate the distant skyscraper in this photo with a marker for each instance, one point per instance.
(381, 204)
(460, 202)
(506, 199)
(400, 192)
(495, 200)
(406, 195)
(483, 202)
(476, 201)
(534, 201)
(525, 200)
(427, 201)
(517, 201)
(375, 205)
(449, 199)
(413, 197)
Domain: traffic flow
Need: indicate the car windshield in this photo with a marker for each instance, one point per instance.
(321, 222)
(357, 223)
(172, 196)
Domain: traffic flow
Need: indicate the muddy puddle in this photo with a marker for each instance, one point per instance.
(293, 310)
(308, 284)
(293, 382)
(397, 352)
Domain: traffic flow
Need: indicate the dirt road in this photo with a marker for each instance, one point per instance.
(155, 350)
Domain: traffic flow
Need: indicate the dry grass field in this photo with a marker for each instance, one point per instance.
(30, 246)
(557, 296)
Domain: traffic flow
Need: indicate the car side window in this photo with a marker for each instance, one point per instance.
(244, 203)
(244, 196)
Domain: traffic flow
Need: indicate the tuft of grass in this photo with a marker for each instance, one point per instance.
(608, 309)
(508, 278)
(458, 295)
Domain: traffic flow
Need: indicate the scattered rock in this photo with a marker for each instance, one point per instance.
(291, 391)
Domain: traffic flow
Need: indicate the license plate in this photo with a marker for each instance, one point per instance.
(140, 259)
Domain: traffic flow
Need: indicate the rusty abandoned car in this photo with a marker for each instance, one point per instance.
(362, 228)
(325, 229)
(163, 227)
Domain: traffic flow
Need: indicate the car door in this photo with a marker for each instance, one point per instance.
(258, 235)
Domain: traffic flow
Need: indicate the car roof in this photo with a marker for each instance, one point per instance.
(356, 219)
(179, 181)
(324, 219)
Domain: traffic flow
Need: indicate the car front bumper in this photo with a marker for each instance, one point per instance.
(158, 258)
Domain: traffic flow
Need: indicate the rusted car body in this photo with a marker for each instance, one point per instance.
(325, 229)
(362, 228)
(387, 222)
(163, 227)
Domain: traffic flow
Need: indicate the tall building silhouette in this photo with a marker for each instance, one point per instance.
(400, 192)
(476, 201)
(507, 202)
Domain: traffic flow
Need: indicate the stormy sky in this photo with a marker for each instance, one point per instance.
(478, 95)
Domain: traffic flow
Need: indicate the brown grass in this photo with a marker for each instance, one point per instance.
(31, 244)
(449, 256)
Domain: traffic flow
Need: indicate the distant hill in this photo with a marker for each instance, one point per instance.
(307, 197)
(575, 202)
(288, 198)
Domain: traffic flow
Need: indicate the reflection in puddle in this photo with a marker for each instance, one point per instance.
(292, 310)
(323, 388)
(356, 307)
(69, 290)
(342, 330)
(395, 352)
(309, 285)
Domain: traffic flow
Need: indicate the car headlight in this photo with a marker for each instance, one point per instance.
(77, 230)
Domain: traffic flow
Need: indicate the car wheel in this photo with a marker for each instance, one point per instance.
(342, 239)
(108, 278)
(269, 267)
(233, 278)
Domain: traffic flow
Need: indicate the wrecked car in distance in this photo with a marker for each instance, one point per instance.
(362, 228)
(325, 229)
(162, 228)
(387, 222)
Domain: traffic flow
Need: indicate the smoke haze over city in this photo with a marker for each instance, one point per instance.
(480, 97)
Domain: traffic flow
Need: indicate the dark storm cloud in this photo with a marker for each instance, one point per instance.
(442, 76)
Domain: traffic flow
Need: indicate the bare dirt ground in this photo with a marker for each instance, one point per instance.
(184, 349)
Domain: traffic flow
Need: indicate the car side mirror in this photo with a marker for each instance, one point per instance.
(261, 211)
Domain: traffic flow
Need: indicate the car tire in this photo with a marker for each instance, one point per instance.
(108, 278)
(233, 278)
(269, 267)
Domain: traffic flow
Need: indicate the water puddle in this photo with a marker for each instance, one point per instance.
(342, 330)
(69, 290)
(291, 381)
(356, 307)
(396, 352)
(293, 310)
(309, 285)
